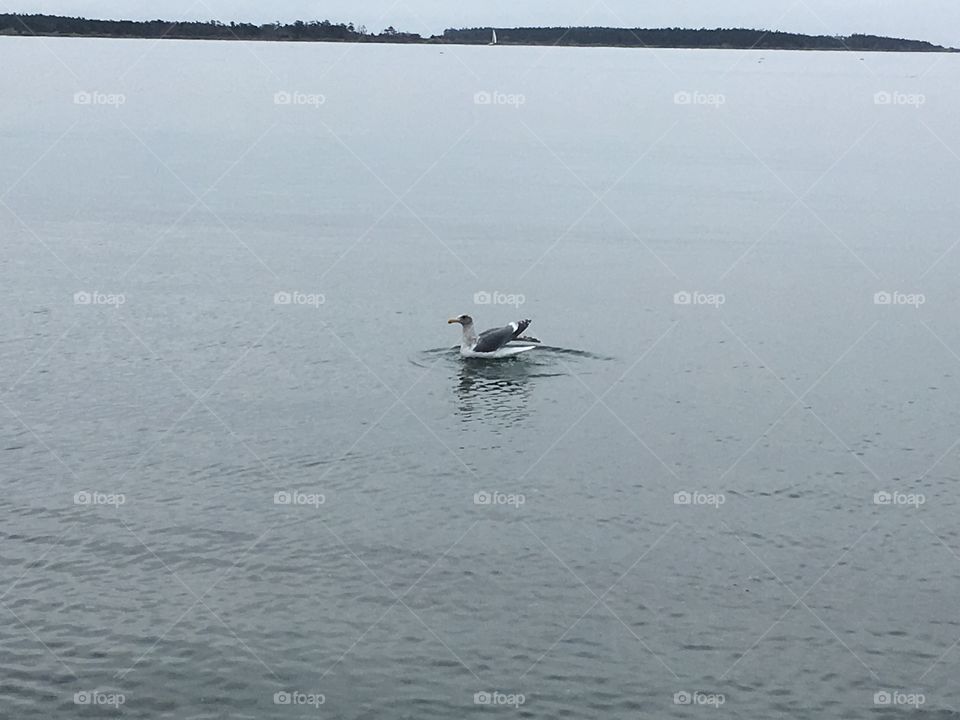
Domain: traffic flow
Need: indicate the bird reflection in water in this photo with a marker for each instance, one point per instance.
(495, 393)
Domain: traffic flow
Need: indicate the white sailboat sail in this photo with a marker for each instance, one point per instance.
(493, 38)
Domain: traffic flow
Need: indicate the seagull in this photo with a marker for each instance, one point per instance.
(495, 343)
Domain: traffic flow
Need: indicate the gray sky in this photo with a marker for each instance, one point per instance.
(934, 20)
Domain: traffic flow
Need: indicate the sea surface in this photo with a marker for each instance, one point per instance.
(245, 473)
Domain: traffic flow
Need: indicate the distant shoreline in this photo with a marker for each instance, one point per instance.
(22, 25)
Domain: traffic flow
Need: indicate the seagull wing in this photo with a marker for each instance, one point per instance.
(491, 340)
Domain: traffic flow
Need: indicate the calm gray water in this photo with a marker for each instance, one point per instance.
(156, 394)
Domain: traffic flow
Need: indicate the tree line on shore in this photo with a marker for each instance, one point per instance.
(324, 30)
(16, 24)
(687, 38)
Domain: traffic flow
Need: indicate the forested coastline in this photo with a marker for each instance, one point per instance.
(326, 31)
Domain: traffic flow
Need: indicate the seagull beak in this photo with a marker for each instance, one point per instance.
(453, 320)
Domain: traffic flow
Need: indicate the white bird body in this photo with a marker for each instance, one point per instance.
(505, 351)
(495, 343)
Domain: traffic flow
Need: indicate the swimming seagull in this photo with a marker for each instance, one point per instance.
(495, 343)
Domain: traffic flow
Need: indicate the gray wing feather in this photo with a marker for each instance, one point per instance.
(490, 340)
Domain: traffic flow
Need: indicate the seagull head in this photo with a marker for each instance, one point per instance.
(462, 319)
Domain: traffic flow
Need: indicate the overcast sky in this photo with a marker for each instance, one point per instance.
(934, 20)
